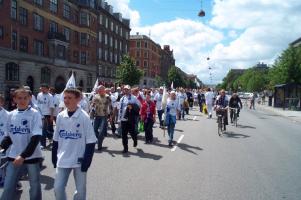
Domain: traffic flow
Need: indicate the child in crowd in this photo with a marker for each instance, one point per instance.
(23, 137)
(73, 146)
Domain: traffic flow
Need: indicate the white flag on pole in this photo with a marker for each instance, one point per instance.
(70, 84)
(171, 85)
(95, 86)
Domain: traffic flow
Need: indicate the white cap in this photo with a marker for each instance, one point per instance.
(127, 87)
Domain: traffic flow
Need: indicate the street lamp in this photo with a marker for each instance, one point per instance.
(202, 12)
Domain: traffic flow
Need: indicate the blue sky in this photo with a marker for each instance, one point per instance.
(234, 33)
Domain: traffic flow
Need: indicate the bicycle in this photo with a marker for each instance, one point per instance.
(221, 127)
(235, 118)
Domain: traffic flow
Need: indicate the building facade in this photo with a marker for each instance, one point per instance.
(167, 61)
(44, 41)
(147, 55)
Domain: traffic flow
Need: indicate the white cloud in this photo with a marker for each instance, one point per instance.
(239, 35)
(122, 6)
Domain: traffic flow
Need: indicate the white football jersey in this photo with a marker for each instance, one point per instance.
(72, 134)
(45, 103)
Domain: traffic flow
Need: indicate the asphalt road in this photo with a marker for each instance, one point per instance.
(259, 159)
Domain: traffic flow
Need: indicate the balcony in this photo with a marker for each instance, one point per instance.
(56, 36)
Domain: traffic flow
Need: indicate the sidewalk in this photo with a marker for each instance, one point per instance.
(293, 115)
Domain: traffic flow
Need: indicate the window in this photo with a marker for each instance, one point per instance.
(107, 22)
(137, 63)
(111, 57)
(116, 44)
(99, 53)
(138, 44)
(39, 2)
(12, 72)
(13, 9)
(106, 55)
(1, 32)
(120, 43)
(145, 63)
(121, 31)
(116, 30)
(66, 32)
(116, 58)
(23, 16)
(66, 12)
(146, 54)
(45, 75)
(137, 53)
(84, 18)
(38, 23)
(83, 58)
(53, 27)
(38, 47)
(23, 44)
(14, 39)
(84, 39)
(112, 26)
(53, 6)
(100, 19)
(1, 2)
(106, 39)
(61, 52)
(100, 36)
(111, 41)
(127, 35)
(76, 37)
(145, 45)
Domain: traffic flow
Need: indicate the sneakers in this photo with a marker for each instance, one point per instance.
(125, 151)
(135, 143)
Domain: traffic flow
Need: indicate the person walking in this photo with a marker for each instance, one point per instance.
(172, 107)
(209, 102)
(73, 146)
(128, 112)
(23, 137)
(148, 116)
(158, 102)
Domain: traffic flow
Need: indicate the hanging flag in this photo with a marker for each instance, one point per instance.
(171, 86)
(95, 86)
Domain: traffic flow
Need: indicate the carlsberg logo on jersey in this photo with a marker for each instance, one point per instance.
(69, 135)
(23, 129)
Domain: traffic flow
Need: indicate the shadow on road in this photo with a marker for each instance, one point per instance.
(187, 147)
(140, 153)
(48, 181)
(245, 126)
(230, 134)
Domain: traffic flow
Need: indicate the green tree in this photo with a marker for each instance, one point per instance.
(252, 80)
(128, 72)
(175, 76)
(231, 77)
(159, 81)
(287, 68)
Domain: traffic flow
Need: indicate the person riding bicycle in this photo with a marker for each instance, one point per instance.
(221, 106)
(234, 102)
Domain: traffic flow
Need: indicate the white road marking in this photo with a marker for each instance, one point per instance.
(194, 118)
(179, 140)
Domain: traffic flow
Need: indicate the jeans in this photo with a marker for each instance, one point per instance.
(61, 179)
(148, 128)
(100, 122)
(182, 112)
(160, 113)
(128, 127)
(170, 130)
(12, 177)
(47, 130)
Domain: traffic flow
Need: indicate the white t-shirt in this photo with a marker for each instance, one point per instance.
(124, 101)
(84, 105)
(72, 134)
(113, 100)
(172, 106)
(45, 103)
(158, 99)
(3, 125)
(181, 97)
(22, 126)
(209, 97)
(56, 103)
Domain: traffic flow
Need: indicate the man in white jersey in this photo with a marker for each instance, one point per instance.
(181, 97)
(56, 102)
(46, 108)
(73, 146)
(23, 136)
(158, 101)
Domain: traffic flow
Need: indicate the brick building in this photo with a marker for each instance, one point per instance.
(167, 61)
(43, 41)
(147, 55)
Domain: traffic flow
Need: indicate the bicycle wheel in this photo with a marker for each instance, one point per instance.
(219, 126)
(235, 119)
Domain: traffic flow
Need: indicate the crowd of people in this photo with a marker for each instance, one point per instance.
(71, 124)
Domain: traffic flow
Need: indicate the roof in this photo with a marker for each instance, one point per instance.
(296, 42)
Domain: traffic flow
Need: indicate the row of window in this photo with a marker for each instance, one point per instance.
(145, 63)
(109, 56)
(109, 40)
(138, 54)
(38, 46)
(113, 27)
(107, 71)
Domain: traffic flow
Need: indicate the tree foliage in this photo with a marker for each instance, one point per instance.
(128, 72)
(287, 68)
(176, 77)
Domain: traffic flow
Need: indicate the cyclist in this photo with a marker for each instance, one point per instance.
(221, 106)
(234, 102)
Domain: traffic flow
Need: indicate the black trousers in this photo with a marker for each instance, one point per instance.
(232, 113)
(128, 127)
(148, 128)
